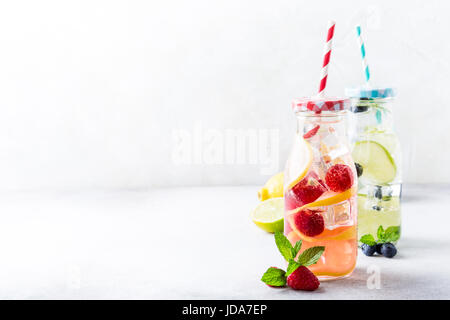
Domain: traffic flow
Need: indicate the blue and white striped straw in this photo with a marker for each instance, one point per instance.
(363, 54)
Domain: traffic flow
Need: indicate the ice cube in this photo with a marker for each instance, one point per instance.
(343, 214)
(338, 215)
(328, 218)
(338, 151)
(321, 167)
(330, 140)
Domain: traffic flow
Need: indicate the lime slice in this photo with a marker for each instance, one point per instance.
(268, 215)
(303, 155)
(378, 165)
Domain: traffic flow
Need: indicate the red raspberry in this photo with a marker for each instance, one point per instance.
(307, 190)
(311, 133)
(339, 177)
(303, 279)
(309, 222)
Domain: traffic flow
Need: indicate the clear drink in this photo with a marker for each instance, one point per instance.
(376, 149)
(321, 187)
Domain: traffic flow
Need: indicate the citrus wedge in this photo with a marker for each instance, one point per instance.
(327, 200)
(341, 233)
(268, 215)
(303, 155)
(273, 187)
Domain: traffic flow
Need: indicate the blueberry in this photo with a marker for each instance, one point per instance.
(377, 208)
(368, 250)
(378, 192)
(360, 109)
(359, 169)
(378, 248)
(388, 250)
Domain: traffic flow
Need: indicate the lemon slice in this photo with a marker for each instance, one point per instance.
(336, 198)
(303, 155)
(268, 215)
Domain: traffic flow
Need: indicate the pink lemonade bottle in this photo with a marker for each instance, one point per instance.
(320, 186)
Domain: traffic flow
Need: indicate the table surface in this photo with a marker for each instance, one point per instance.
(194, 243)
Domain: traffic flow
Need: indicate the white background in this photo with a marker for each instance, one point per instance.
(92, 91)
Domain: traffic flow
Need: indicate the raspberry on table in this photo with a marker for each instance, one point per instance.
(303, 279)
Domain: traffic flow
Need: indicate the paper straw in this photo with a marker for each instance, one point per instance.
(363, 54)
(326, 59)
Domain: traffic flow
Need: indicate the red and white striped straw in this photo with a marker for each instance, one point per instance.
(326, 59)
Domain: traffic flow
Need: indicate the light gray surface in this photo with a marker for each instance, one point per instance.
(193, 243)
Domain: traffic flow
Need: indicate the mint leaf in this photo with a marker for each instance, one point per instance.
(284, 246)
(392, 234)
(380, 234)
(297, 247)
(293, 265)
(368, 239)
(310, 256)
(274, 277)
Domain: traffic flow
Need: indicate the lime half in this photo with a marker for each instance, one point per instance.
(378, 165)
(268, 215)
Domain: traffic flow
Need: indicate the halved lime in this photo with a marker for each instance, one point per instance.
(268, 215)
(378, 165)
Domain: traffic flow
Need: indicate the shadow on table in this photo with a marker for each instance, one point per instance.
(362, 284)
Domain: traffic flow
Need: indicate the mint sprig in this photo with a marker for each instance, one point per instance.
(310, 256)
(380, 233)
(368, 239)
(285, 247)
(276, 277)
(391, 234)
(297, 247)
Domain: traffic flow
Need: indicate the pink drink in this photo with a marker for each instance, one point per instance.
(320, 191)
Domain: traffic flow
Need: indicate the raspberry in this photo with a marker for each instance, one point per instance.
(339, 177)
(307, 190)
(303, 279)
(309, 222)
(311, 133)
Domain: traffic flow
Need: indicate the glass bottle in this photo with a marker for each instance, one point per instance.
(377, 154)
(321, 186)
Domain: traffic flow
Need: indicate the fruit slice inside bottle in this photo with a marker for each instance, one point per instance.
(303, 154)
(328, 199)
(378, 165)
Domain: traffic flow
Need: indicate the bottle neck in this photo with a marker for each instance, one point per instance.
(335, 123)
(373, 114)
